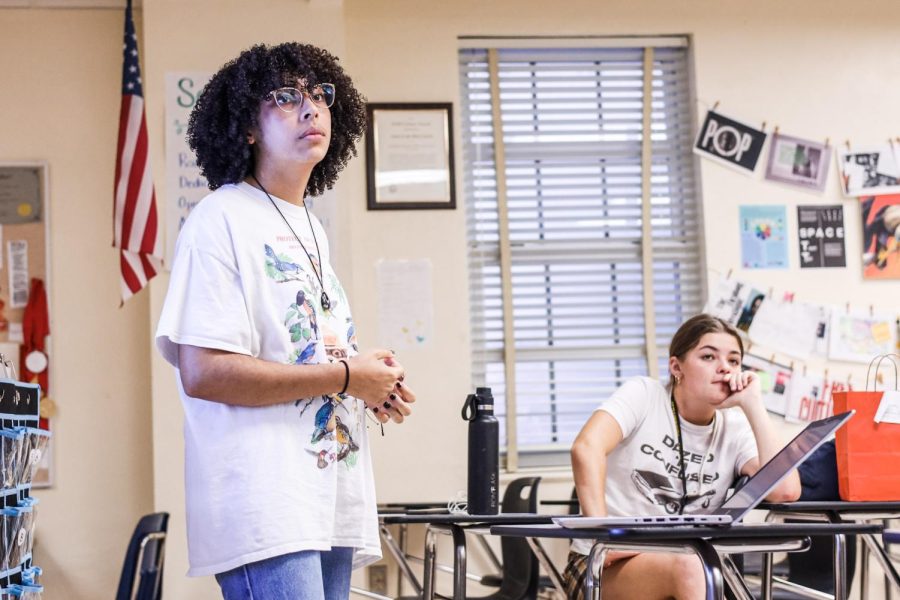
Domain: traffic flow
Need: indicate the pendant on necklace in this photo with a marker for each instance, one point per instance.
(326, 301)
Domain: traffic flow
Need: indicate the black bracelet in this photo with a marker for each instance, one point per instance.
(346, 376)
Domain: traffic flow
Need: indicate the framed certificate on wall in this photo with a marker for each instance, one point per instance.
(409, 156)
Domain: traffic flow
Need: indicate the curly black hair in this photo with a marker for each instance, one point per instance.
(228, 108)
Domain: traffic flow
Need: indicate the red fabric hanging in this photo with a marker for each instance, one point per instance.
(36, 328)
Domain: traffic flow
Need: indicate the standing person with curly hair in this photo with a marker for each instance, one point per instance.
(278, 475)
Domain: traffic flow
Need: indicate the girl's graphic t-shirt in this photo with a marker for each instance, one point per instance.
(643, 473)
(265, 481)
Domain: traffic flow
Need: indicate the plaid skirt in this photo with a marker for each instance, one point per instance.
(573, 576)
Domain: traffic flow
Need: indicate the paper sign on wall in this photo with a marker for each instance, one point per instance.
(763, 232)
(17, 255)
(405, 305)
(730, 142)
(185, 186)
(820, 231)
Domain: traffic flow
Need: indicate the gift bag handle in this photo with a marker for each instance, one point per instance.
(877, 364)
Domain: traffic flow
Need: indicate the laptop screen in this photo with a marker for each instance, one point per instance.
(757, 487)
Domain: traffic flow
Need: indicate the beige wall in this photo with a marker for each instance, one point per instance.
(813, 68)
(59, 101)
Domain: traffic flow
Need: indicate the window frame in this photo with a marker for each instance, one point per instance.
(652, 351)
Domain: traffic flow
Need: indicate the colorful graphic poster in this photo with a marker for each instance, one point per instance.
(730, 142)
(791, 327)
(881, 236)
(799, 162)
(820, 231)
(734, 301)
(857, 337)
(774, 380)
(869, 171)
(763, 237)
(805, 399)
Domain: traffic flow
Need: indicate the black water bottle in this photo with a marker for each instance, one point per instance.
(484, 452)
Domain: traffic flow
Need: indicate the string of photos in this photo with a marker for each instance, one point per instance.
(22, 444)
(802, 332)
(869, 173)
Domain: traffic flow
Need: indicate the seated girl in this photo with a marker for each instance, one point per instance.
(654, 450)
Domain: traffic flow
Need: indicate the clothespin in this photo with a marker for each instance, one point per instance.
(849, 377)
(792, 365)
(847, 143)
(775, 132)
(804, 369)
(848, 308)
(763, 128)
(771, 290)
(728, 275)
(827, 141)
(715, 106)
(772, 358)
(871, 310)
(826, 376)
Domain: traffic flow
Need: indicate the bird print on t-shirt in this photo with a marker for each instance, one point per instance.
(346, 445)
(280, 264)
(315, 338)
(324, 420)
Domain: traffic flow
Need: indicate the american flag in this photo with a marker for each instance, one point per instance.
(135, 223)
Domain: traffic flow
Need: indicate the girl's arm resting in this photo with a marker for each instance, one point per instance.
(768, 445)
(242, 380)
(599, 436)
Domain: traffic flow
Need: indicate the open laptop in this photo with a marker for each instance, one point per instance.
(743, 500)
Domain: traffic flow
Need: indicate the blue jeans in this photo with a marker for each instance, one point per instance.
(307, 575)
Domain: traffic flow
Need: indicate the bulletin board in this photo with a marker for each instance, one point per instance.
(24, 235)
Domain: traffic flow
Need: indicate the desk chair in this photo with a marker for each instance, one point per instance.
(141, 577)
(518, 578)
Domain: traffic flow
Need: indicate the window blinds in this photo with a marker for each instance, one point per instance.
(572, 137)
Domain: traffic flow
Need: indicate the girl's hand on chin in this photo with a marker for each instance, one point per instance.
(745, 387)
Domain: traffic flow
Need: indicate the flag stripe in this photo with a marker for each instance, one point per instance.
(134, 175)
(143, 205)
(124, 105)
(134, 107)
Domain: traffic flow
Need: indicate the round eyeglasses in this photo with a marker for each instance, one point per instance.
(290, 99)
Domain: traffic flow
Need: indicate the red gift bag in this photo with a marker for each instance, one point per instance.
(867, 452)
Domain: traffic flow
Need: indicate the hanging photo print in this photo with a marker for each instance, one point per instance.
(806, 398)
(881, 236)
(774, 381)
(791, 327)
(763, 237)
(821, 235)
(799, 162)
(730, 142)
(857, 337)
(734, 301)
(869, 171)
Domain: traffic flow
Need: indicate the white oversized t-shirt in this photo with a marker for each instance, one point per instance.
(642, 472)
(265, 481)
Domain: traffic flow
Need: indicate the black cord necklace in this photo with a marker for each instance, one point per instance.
(681, 466)
(326, 301)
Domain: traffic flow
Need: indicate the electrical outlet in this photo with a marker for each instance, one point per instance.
(378, 579)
